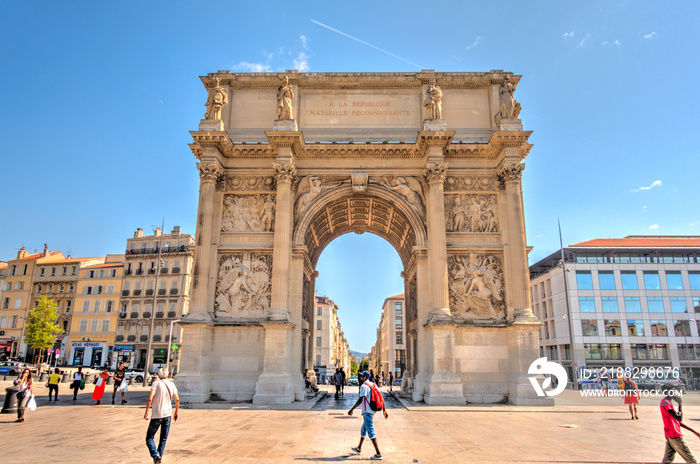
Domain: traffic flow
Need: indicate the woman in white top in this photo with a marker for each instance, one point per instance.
(77, 377)
(26, 390)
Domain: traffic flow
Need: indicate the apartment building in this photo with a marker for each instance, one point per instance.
(331, 349)
(5, 342)
(390, 348)
(629, 302)
(90, 338)
(153, 294)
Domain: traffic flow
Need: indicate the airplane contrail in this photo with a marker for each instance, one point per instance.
(365, 43)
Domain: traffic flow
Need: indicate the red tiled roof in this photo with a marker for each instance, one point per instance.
(641, 242)
(401, 296)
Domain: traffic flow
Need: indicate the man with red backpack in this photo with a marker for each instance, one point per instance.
(372, 400)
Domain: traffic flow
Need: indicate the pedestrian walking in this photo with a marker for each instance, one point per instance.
(391, 381)
(78, 379)
(337, 381)
(672, 427)
(54, 379)
(603, 380)
(100, 384)
(162, 393)
(119, 377)
(631, 395)
(342, 383)
(367, 429)
(24, 394)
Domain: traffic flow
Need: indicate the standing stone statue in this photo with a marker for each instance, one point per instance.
(509, 108)
(216, 100)
(284, 100)
(433, 100)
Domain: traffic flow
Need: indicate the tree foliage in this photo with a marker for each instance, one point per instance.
(354, 368)
(41, 327)
(364, 365)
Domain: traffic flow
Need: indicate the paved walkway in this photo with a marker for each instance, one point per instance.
(576, 430)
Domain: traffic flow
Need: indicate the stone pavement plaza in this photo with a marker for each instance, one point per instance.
(573, 431)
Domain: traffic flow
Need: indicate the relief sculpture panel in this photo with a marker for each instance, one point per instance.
(243, 285)
(409, 188)
(471, 213)
(476, 287)
(470, 183)
(248, 213)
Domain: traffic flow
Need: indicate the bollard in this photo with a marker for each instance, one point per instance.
(42, 377)
(131, 380)
(109, 379)
(64, 377)
(10, 404)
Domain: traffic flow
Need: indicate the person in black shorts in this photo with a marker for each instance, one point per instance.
(118, 377)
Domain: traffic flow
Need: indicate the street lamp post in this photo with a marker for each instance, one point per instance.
(170, 344)
(574, 381)
(153, 309)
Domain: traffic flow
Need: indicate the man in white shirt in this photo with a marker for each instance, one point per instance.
(162, 393)
(367, 414)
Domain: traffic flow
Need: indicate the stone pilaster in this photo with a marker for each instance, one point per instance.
(437, 243)
(275, 385)
(282, 254)
(199, 311)
(516, 270)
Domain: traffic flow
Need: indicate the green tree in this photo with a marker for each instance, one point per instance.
(41, 327)
(364, 365)
(354, 368)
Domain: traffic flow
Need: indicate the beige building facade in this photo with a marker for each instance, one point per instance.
(391, 338)
(331, 349)
(429, 161)
(153, 294)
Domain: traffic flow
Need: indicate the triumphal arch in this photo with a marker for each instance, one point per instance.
(430, 161)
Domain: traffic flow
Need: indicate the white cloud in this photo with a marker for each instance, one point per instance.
(301, 63)
(303, 41)
(583, 41)
(656, 183)
(654, 226)
(650, 36)
(252, 67)
(569, 34)
(617, 42)
(475, 43)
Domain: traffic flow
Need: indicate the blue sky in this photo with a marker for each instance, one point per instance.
(97, 100)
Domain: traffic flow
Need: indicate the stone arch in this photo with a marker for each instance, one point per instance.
(378, 210)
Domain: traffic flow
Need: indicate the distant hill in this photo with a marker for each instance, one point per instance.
(358, 355)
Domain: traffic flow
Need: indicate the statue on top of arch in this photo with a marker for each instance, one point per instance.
(509, 107)
(216, 100)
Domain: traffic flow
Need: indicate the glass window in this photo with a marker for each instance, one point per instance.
(629, 280)
(635, 327)
(694, 278)
(399, 338)
(696, 304)
(686, 351)
(318, 341)
(611, 351)
(589, 327)
(399, 323)
(318, 325)
(639, 351)
(592, 350)
(565, 351)
(96, 308)
(610, 304)
(678, 304)
(612, 327)
(658, 352)
(674, 281)
(86, 306)
(632, 304)
(319, 311)
(651, 280)
(681, 328)
(606, 280)
(105, 325)
(93, 325)
(584, 280)
(586, 304)
(83, 325)
(397, 308)
(655, 304)
(658, 328)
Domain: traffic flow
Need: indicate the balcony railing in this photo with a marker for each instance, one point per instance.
(137, 292)
(161, 291)
(149, 291)
(171, 313)
(156, 338)
(131, 338)
(122, 315)
(167, 338)
(176, 270)
(120, 338)
(134, 315)
(164, 270)
(159, 315)
(154, 251)
(125, 292)
(128, 272)
(152, 270)
(173, 291)
(139, 271)
(146, 315)
(144, 338)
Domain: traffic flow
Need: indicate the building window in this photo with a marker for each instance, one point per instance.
(658, 328)
(689, 352)
(83, 325)
(399, 323)
(399, 338)
(397, 308)
(93, 324)
(38, 288)
(106, 322)
(612, 327)
(399, 362)
(64, 271)
(635, 327)
(592, 350)
(53, 271)
(318, 359)
(86, 306)
(6, 303)
(318, 325)
(319, 311)
(96, 308)
(681, 328)
(696, 304)
(651, 280)
(586, 304)
(655, 304)
(606, 279)
(658, 352)
(678, 304)
(21, 285)
(694, 279)
(18, 302)
(589, 327)
(611, 351)
(584, 280)
(113, 273)
(110, 289)
(564, 352)
(639, 351)
(14, 322)
(2, 321)
(88, 290)
(674, 281)
(68, 303)
(632, 304)
(41, 272)
(609, 304)
(318, 341)
(629, 280)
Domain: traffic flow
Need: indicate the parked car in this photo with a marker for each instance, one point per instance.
(137, 375)
(353, 380)
(11, 367)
